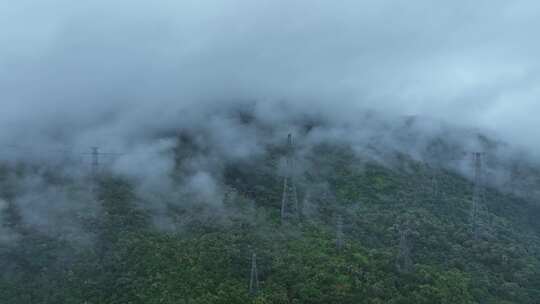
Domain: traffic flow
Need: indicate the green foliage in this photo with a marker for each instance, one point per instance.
(209, 262)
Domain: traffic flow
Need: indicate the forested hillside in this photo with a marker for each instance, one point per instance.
(274, 151)
(365, 233)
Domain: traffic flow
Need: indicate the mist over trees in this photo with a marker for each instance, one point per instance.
(269, 152)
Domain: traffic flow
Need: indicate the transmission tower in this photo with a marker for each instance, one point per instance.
(477, 193)
(95, 159)
(435, 188)
(289, 199)
(514, 178)
(339, 233)
(254, 280)
(430, 183)
(404, 262)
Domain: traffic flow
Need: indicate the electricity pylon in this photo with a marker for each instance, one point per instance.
(434, 184)
(404, 262)
(254, 279)
(477, 193)
(289, 198)
(429, 183)
(95, 154)
(339, 233)
(95, 160)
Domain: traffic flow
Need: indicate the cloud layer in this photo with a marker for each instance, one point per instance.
(86, 72)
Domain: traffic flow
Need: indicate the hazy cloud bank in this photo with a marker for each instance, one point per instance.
(236, 76)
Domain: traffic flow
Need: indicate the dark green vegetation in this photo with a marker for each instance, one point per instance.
(208, 260)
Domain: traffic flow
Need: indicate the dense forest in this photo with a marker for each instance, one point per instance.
(269, 152)
(364, 232)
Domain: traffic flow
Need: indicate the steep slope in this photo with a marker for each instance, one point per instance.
(406, 238)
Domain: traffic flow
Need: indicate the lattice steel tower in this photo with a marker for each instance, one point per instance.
(289, 198)
(95, 159)
(477, 193)
(339, 233)
(404, 262)
(254, 279)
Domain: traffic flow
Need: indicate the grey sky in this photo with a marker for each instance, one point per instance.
(75, 66)
(116, 73)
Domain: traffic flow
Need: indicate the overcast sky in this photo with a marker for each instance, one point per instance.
(74, 64)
